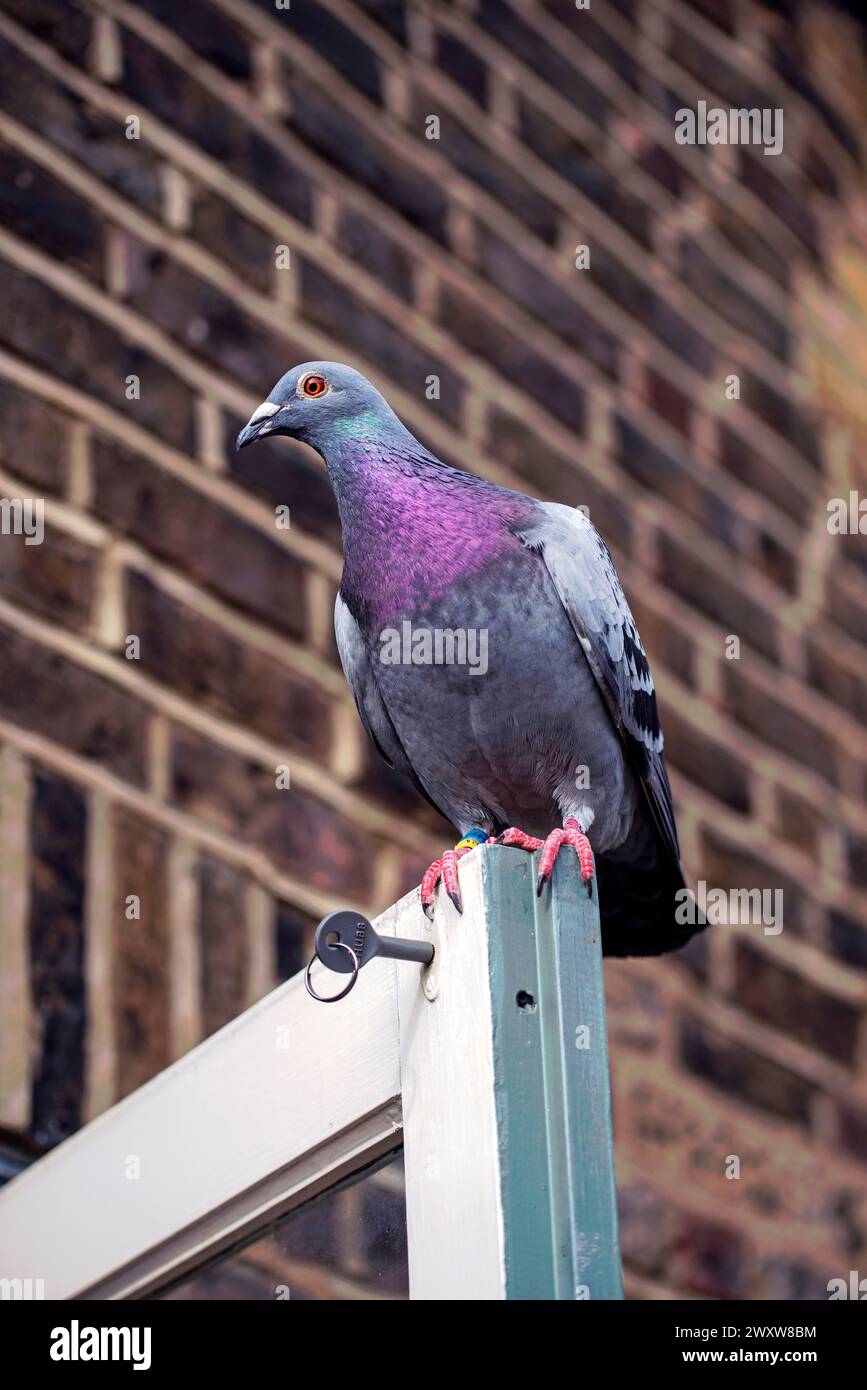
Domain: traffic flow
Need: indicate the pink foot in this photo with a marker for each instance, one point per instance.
(447, 870)
(571, 834)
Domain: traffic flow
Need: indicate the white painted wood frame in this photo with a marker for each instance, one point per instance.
(294, 1096)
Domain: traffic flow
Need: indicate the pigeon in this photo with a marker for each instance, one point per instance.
(493, 659)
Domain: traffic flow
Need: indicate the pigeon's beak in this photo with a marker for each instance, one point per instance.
(260, 422)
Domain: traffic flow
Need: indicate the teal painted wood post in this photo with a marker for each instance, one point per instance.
(552, 1085)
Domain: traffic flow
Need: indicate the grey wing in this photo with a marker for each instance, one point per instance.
(359, 672)
(586, 581)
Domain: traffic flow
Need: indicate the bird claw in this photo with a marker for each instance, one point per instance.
(446, 868)
(571, 834)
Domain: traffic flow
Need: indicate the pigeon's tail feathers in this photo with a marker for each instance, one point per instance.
(643, 902)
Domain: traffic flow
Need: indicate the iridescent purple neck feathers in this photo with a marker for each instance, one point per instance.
(412, 526)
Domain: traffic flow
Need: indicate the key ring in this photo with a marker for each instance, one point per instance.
(333, 998)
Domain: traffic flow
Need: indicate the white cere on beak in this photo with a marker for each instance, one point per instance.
(263, 412)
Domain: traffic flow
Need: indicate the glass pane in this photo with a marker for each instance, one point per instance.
(349, 1243)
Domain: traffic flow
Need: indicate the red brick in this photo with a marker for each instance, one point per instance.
(96, 140)
(95, 357)
(157, 84)
(242, 244)
(778, 724)
(56, 580)
(56, 948)
(199, 536)
(208, 665)
(334, 307)
(557, 476)
(541, 295)
(34, 438)
(725, 601)
(706, 762)
(780, 996)
(302, 835)
(512, 357)
(742, 1074)
(579, 163)
(40, 209)
(83, 712)
(141, 950)
(222, 942)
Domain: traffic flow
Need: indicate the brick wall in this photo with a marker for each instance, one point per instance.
(154, 880)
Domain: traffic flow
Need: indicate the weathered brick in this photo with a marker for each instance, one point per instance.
(210, 33)
(334, 41)
(242, 799)
(732, 301)
(198, 535)
(699, 582)
(742, 1074)
(848, 939)
(784, 415)
(731, 866)
(543, 297)
(206, 663)
(761, 474)
(364, 241)
(58, 828)
(141, 950)
(652, 311)
(95, 357)
(207, 322)
(39, 208)
(67, 30)
(513, 357)
(787, 1000)
(670, 403)
(243, 245)
(222, 942)
(351, 148)
(83, 712)
(288, 474)
(56, 580)
(335, 308)
(96, 140)
(665, 642)
(578, 162)
(557, 476)
(778, 724)
(496, 174)
(708, 1258)
(463, 65)
(34, 438)
(516, 33)
(294, 939)
(173, 95)
(706, 762)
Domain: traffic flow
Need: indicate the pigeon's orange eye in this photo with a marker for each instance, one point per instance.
(314, 385)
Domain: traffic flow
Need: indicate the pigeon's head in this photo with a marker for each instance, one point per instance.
(319, 403)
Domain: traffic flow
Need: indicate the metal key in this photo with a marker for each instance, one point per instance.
(344, 941)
